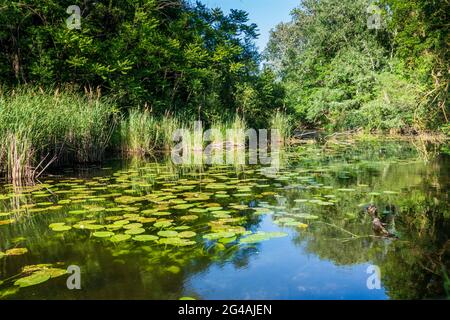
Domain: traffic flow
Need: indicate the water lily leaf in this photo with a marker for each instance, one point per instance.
(54, 208)
(57, 224)
(116, 209)
(198, 210)
(218, 235)
(34, 279)
(189, 217)
(93, 226)
(182, 228)
(187, 234)
(120, 237)
(162, 213)
(103, 234)
(127, 199)
(44, 204)
(121, 222)
(183, 206)
(262, 236)
(162, 224)
(175, 241)
(16, 251)
(61, 228)
(54, 272)
(135, 231)
(168, 234)
(78, 212)
(145, 220)
(132, 226)
(145, 237)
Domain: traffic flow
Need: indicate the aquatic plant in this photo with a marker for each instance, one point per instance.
(142, 133)
(38, 128)
(283, 123)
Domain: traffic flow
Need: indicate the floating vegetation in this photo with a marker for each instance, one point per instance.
(145, 238)
(120, 237)
(16, 251)
(32, 280)
(168, 234)
(103, 234)
(262, 236)
(171, 221)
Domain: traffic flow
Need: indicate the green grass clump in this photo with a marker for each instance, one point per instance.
(38, 128)
(281, 122)
(142, 133)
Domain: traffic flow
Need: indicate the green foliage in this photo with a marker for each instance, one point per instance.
(283, 123)
(38, 127)
(339, 74)
(172, 56)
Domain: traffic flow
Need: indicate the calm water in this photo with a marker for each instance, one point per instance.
(148, 230)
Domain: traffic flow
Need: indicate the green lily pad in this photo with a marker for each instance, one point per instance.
(145, 237)
(34, 279)
(56, 224)
(189, 217)
(135, 231)
(168, 234)
(120, 237)
(121, 222)
(103, 234)
(162, 224)
(262, 236)
(133, 226)
(16, 251)
(78, 212)
(175, 241)
(187, 234)
(93, 226)
(218, 235)
(181, 228)
(61, 228)
(54, 272)
(183, 206)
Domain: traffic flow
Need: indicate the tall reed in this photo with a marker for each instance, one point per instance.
(39, 127)
(281, 122)
(142, 133)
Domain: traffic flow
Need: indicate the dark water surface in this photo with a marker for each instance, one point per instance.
(149, 230)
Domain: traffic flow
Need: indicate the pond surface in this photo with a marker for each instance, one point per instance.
(152, 230)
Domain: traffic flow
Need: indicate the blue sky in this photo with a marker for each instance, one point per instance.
(265, 13)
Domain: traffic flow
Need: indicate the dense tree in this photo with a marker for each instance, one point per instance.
(341, 74)
(170, 56)
(420, 35)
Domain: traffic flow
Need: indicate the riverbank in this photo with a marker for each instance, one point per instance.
(222, 233)
(42, 128)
